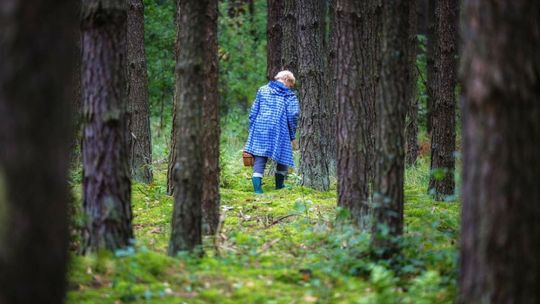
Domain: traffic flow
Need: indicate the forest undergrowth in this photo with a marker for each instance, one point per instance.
(285, 246)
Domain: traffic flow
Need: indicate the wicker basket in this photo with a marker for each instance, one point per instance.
(248, 159)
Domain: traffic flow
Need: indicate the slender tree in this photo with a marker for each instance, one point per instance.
(187, 218)
(330, 47)
(174, 129)
(211, 128)
(106, 180)
(443, 134)
(391, 106)
(37, 47)
(275, 37)
(411, 127)
(355, 36)
(139, 138)
(314, 115)
(431, 54)
(501, 146)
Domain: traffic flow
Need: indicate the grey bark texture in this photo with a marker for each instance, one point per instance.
(443, 111)
(106, 180)
(330, 83)
(356, 34)
(188, 173)
(314, 110)
(37, 47)
(391, 107)
(289, 53)
(411, 126)
(211, 126)
(139, 136)
(500, 233)
(431, 73)
(274, 37)
(174, 132)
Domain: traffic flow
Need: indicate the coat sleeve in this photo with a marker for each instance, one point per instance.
(292, 116)
(255, 109)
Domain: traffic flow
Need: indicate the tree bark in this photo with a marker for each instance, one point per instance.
(174, 129)
(431, 54)
(289, 52)
(391, 107)
(275, 37)
(188, 170)
(106, 181)
(38, 48)
(330, 83)
(411, 129)
(443, 129)
(501, 130)
(210, 200)
(139, 138)
(356, 34)
(314, 116)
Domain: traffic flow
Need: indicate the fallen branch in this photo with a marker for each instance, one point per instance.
(281, 219)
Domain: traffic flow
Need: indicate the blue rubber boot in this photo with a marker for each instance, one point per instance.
(280, 181)
(257, 184)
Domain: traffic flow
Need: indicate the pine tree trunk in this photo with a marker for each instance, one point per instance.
(356, 25)
(330, 85)
(289, 52)
(411, 129)
(139, 138)
(443, 129)
(314, 115)
(174, 129)
(188, 173)
(37, 47)
(210, 200)
(501, 130)
(275, 37)
(391, 108)
(106, 181)
(172, 146)
(430, 59)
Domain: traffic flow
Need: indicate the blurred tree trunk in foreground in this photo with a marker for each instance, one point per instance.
(500, 232)
(391, 107)
(186, 234)
(355, 41)
(139, 136)
(106, 181)
(211, 126)
(314, 115)
(37, 47)
(443, 126)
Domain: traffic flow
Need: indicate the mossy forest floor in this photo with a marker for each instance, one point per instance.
(284, 246)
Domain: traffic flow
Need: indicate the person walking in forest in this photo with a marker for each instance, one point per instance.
(272, 128)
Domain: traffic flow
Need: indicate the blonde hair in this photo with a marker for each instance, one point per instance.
(285, 75)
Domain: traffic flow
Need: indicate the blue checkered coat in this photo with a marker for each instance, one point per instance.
(272, 123)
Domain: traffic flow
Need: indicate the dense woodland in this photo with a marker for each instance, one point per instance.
(122, 125)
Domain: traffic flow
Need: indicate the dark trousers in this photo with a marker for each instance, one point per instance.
(260, 163)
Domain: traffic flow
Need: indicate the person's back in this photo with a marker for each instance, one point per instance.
(272, 126)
